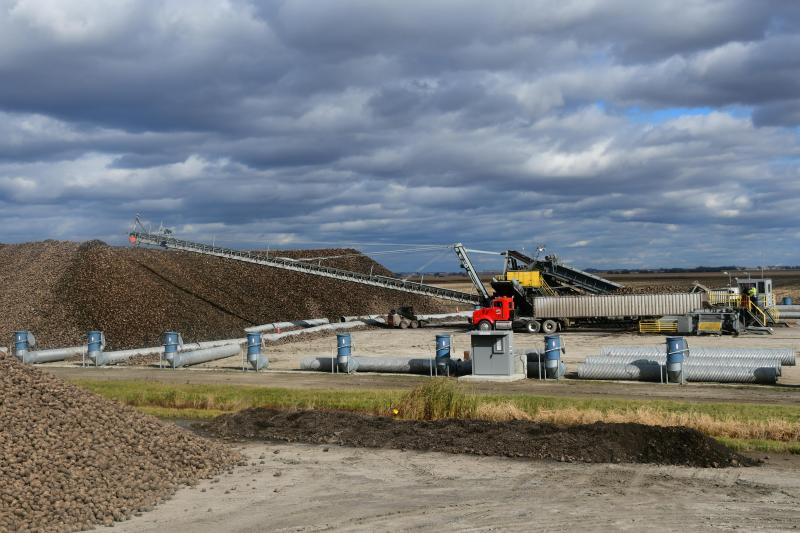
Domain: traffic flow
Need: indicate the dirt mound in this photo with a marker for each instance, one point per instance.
(61, 290)
(70, 459)
(599, 442)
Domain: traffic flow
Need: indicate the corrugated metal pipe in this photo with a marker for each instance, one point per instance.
(703, 361)
(204, 355)
(390, 365)
(325, 327)
(120, 356)
(785, 355)
(651, 371)
(264, 328)
(56, 354)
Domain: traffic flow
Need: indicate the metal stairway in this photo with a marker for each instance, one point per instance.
(166, 241)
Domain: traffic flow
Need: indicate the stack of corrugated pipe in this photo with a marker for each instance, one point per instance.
(675, 362)
(788, 310)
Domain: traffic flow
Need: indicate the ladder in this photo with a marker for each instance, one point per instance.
(385, 282)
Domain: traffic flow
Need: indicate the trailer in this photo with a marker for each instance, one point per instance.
(551, 313)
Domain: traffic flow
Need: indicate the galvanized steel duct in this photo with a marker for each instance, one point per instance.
(120, 356)
(291, 324)
(325, 327)
(203, 356)
(655, 372)
(785, 355)
(389, 365)
(49, 356)
(700, 361)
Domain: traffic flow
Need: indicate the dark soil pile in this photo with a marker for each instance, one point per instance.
(70, 459)
(60, 290)
(599, 442)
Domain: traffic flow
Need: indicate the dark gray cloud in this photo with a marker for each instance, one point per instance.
(615, 132)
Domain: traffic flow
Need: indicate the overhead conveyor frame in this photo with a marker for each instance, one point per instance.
(385, 282)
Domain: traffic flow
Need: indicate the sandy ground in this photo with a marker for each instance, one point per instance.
(579, 344)
(294, 487)
(285, 360)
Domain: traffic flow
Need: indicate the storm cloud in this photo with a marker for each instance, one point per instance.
(619, 133)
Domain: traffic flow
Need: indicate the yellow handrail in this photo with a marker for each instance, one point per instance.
(747, 304)
(547, 289)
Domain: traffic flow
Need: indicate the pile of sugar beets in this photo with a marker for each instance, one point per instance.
(70, 460)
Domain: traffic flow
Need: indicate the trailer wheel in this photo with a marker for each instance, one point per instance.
(484, 325)
(414, 324)
(404, 324)
(533, 327)
(549, 326)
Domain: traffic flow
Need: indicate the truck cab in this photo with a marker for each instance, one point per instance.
(498, 315)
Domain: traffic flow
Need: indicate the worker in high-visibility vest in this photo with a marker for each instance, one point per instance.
(753, 295)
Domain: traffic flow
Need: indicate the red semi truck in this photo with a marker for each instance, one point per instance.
(502, 314)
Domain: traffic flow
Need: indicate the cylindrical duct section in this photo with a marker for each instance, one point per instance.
(701, 361)
(51, 356)
(205, 355)
(552, 355)
(22, 343)
(443, 351)
(95, 342)
(639, 371)
(254, 356)
(676, 349)
(343, 350)
(171, 340)
(649, 371)
(785, 355)
(389, 365)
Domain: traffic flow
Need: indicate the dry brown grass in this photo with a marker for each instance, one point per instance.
(768, 429)
(500, 412)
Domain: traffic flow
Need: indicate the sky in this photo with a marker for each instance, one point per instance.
(617, 133)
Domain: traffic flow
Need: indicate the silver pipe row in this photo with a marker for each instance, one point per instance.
(49, 356)
(389, 365)
(702, 361)
(205, 355)
(655, 372)
(785, 355)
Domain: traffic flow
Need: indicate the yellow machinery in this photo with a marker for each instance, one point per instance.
(526, 278)
(530, 279)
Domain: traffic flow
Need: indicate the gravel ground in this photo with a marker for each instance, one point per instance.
(70, 459)
(61, 290)
(305, 487)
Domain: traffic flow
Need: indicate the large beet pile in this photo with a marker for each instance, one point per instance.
(60, 290)
(594, 443)
(70, 459)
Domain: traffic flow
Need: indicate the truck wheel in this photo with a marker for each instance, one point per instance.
(533, 327)
(404, 324)
(414, 324)
(484, 325)
(549, 326)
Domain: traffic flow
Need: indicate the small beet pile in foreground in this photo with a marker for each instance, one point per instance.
(70, 459)
(599, 442)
